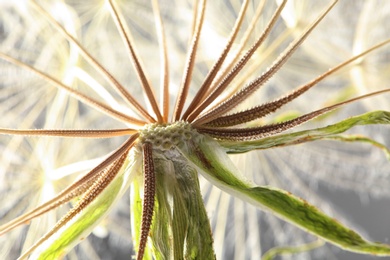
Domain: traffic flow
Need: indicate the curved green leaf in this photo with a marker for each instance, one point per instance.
(328, 132)
(287, 250)
(362, 139)
(83, 223)
(216, 166)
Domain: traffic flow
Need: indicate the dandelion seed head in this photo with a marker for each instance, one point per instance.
(244, 232)
(167, 136)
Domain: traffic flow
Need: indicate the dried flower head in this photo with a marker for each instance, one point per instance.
(188, 129)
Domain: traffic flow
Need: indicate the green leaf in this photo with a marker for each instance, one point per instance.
(216, 166)
(328, 132)
(362, 139)
(83, 223)
(287, 250)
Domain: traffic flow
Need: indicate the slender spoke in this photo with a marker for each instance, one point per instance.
(77, 94)
(127, 38)
(69, 133)
(185, 85)
(263, 110)
(213, 72)
(75, 189)
(149, 197)
(251, 70)
(164, 88)
(195, 10)
(240, 48)
(238, 67)
(113, 82)
(255, 84)
(90, 195)
(255, 133)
